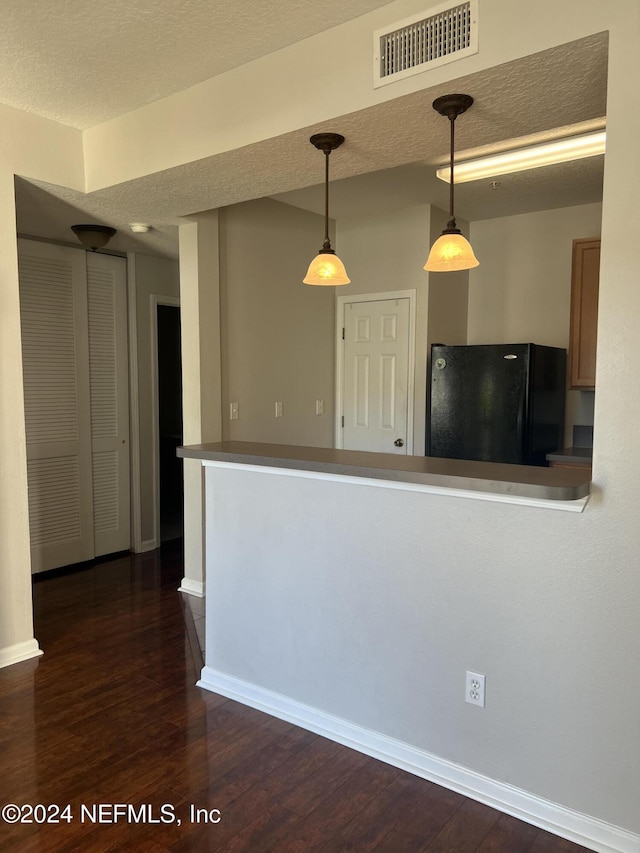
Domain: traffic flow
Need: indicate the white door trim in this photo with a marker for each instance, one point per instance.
(341, 302)
(134, 407)
(155, 414)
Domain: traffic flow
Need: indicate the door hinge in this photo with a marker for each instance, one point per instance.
(343, 421)
(343, 333)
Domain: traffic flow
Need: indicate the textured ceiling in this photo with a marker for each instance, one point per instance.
(563, 185)
(83, 63)
(382, 162)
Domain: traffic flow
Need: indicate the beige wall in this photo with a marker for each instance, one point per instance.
(386, 252)
(41, 149)
(153, 276)
(521, 292)
(289, 330)
(277, 333)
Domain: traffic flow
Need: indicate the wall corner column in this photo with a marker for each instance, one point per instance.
(17, 642)
(201, 377)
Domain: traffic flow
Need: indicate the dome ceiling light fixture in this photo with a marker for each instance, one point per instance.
(93, 236)
(451, 251)
(326, 268)
(139, 227)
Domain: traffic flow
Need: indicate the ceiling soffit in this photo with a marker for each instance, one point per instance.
(510, 101)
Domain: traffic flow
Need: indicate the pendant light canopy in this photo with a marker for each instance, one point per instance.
(326, 268)
(451, 251)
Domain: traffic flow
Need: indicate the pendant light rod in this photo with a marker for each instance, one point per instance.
(451, 106)
(452, 122)
(326, 198)
(326, 142)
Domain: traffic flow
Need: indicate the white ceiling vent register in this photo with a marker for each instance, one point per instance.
(445, 34)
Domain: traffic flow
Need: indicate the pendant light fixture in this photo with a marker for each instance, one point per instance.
(451, 251)
(326, 268)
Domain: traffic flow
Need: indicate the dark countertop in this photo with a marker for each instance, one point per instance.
(517, 480)
(576, 455)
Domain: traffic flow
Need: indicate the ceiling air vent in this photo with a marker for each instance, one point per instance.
(447, 33)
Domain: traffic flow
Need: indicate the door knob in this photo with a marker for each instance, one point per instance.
(399, 442)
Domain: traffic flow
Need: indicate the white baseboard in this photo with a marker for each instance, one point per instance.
(147, 545)
(195, 588)
(579, 828)
(19, 652)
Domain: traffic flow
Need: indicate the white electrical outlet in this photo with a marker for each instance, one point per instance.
(233, 411)
(474, 692)
(319, 407)
(278, 410)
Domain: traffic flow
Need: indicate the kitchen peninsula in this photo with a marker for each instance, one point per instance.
(490, 480)
(348, 592)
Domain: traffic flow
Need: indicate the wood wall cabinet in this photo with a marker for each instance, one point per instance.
(585, 273)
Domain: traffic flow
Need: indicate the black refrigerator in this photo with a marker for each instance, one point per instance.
(497, 402)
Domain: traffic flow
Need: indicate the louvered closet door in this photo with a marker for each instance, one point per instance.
(53, 301)
(109, 387)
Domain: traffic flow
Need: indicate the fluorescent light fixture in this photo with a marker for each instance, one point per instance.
(529, 157)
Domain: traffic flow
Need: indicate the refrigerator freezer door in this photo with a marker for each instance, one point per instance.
(478, 402)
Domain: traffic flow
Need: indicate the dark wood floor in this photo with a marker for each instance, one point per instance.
(111, 715)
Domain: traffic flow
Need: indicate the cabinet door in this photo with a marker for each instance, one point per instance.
(584, 313)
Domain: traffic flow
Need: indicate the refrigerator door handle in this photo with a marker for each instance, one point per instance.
(520, 432)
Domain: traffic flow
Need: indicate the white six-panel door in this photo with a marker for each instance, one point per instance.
(76, 402)
(375, 386)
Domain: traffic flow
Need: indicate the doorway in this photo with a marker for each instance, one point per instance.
(375, 372)
(169, 422)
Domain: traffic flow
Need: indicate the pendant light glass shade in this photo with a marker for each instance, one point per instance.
(326, 268)
(449, 253)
